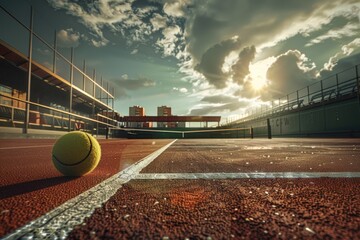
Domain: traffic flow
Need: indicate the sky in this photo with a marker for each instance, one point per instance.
(200, 57)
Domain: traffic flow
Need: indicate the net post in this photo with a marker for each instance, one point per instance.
(251, 132)
(269, 128)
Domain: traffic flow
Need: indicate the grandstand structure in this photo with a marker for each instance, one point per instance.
(38, 93)
(329, 107)
(41, 89)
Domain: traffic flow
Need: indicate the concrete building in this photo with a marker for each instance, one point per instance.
(165, 111)
(136, 111)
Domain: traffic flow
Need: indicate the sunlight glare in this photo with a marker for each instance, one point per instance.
(258, 72)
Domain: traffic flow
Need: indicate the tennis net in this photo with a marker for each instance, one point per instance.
(137, 133)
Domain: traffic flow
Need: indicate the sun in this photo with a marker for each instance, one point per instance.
(258, 72)
(258, 83)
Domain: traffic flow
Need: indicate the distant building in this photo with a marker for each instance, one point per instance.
(165, 111)
(136, 111)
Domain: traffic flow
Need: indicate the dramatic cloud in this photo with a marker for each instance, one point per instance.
(213, 60)
(176, 8)
(349, 30)
(68, 38)
(215, 108)
(219, 99)
(218, 104)
(170, 40)
(158, 21)
(291, 71)
(257, 24)
(116, 16)
(346, 50)
(125, 84)
(241, 67)
(243, 44)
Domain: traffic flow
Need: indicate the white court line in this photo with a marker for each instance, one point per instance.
(57, 223)
(155, 176)
(36, 146)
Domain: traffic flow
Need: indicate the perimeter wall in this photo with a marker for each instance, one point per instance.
(337, 119)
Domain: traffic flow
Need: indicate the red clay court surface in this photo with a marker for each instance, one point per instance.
(195, 189)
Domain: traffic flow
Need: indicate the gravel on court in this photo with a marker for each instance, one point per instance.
(224, 209)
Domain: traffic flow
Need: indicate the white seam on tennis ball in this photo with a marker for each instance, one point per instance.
(60, 221)
(79, 162)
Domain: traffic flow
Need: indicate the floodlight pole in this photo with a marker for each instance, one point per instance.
(54, 57)
(113, 105)
(27, 111)
(71, 86)
(84, 72)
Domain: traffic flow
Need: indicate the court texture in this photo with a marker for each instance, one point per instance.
(214, 188)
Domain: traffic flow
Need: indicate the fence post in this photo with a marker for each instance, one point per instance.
(322, 90)
(27, 111)
(269, 128)
(251, 132)
(288, 103)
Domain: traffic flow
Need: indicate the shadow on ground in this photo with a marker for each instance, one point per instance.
(27, 187)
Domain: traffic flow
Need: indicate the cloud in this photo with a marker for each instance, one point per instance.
(349, 30)
(219, 103)
(348, 57)
(291, 71)
(205, 35)
(135, 51)
(265, 24)
(212, 61)
(216, 108)
(116, 16)
(169, 41)
(346, 50)
(158, 21)
(219, 99)
(181, 90)
(125, 84)
(176, 8)
(241, 67)
(208, 24)
(68, 38)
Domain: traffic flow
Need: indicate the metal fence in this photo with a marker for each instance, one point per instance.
(62, 64)
(337, 87)
(50, 118)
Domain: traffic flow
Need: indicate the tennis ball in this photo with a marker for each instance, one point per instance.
(76, 154)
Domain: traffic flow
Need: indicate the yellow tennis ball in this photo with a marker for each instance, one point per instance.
(76, 154)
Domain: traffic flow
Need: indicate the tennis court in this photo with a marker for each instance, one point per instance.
(216, 188)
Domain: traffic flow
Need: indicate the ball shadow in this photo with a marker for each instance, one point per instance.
(27, 187)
